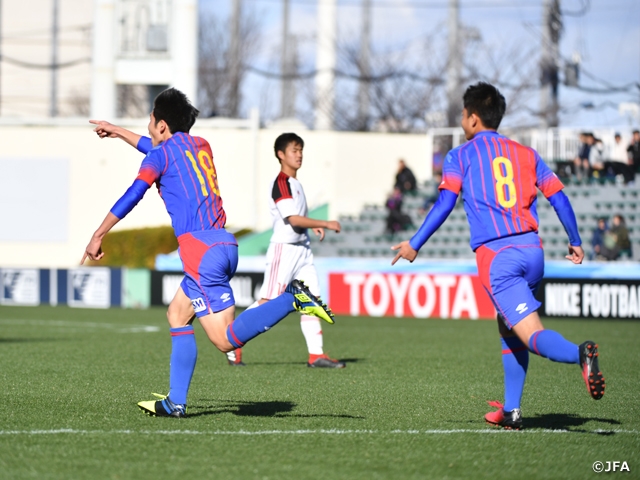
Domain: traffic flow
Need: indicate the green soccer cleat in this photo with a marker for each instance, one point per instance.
(163, 407)
(307, 303)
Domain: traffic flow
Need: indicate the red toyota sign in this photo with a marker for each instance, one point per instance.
(409, 295)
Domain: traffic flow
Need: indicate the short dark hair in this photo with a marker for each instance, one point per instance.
(284, 140)
(636, 131)
(486, 102)
(173, 106)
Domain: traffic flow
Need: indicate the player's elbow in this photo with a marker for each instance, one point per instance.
(294, 220)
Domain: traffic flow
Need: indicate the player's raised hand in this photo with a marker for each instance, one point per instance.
(334, 225)
(405, 250)
(319, 232)
(104, 129)
(576, 254)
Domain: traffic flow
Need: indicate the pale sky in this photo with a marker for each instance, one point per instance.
(606, 38)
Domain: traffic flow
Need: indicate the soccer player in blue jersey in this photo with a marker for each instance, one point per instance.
(498, 179)
(182, 167)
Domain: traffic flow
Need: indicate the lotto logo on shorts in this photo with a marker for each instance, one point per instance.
(198, 305)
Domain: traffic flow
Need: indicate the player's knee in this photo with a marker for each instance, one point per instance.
(221, 343)
(176, 319)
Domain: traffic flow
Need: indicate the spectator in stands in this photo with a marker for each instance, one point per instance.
(634, 153)
(620, 234)
(581, 162)
(618, 163)
(597, 239)
(396, 220)
(596, 158)
(405, 179)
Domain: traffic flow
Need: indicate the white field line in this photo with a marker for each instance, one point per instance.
(95, 325)
(493, 431)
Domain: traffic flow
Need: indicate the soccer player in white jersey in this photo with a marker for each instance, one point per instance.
(289, 255)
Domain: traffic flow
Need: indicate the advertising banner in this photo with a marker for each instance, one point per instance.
(20, 286)
(409, 295)
(89, 287)
(590, 298)
(245, 286)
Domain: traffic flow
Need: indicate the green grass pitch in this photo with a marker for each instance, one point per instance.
(410, 403)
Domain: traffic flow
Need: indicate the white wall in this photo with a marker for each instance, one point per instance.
(346, 170)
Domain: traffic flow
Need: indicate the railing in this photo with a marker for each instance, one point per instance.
(553, 145)
(143, 27)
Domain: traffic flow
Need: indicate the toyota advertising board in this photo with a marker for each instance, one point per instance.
(409, 295)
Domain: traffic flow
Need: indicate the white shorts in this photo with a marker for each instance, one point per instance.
(286, 261)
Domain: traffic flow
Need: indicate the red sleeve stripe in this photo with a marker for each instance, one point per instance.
(281, 188)
(147, 175)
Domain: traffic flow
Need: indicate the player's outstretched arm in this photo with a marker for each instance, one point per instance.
(562, 206)
(318, 226)
(94, 248)
(105, 129)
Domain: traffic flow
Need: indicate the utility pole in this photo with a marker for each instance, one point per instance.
(326, 63)
(549, 62)
(234, 64)
(54, 61)
(1, 59)
(454, 67)
(364, 87)
(287, 63)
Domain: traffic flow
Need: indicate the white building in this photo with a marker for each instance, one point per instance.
(103, 50)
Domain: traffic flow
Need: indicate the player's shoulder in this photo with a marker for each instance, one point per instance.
(199, 141)
(453, 156)
(519, 146)
(155, 152)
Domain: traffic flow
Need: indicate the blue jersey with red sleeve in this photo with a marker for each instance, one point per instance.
(183, 169)
(498, 178)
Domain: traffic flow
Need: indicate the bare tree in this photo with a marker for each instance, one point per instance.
(132, 101)
(401, 90)
(220, 75)
(79, 102)
(514, 69)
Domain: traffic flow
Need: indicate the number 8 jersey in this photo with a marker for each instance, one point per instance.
(498, 178)
(183, 169)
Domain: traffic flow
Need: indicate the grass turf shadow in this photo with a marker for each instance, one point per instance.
(281, 409)
(565, 421)
(32, 340)
(345, 360)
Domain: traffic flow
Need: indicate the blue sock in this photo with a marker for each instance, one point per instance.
(552, 345)
(255, 321)
(515, 360)
(184, 354)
